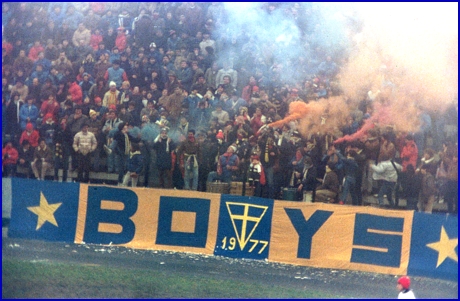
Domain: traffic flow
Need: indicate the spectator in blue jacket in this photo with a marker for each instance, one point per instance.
(28, 113)
(135, 165)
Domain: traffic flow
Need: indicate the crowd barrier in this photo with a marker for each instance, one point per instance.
(321, 235)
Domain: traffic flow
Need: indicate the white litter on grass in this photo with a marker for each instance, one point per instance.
(13, 245)
(302, 278)
(162, 263)
(39, 260)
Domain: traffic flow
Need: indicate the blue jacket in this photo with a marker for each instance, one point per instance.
(25, 112)
(135, 162)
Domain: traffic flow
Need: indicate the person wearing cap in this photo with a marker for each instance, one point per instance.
(227, 166)
(97, 107)
(30, 134)
(172, 83)
(111, 96)
(48, 130)
(43, 160)
(403, 287)
(256, 175)
(164, 145)
(116, 74)
(95, 127)
(175, 105)
(84, 143)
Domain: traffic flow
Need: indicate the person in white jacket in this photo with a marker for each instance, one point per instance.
(84, 143)
(403, 287)
(387, 173)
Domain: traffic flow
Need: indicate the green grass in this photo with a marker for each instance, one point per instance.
(25, 279)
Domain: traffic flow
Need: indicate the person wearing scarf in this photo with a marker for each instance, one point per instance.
(189, 152)
(163, 145)
(135, 166)
(269, 156)
(111, 96)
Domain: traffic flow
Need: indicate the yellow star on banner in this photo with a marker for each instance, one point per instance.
(45, 212)
(445, 247)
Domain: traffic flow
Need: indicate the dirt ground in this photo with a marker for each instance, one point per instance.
(341, 282)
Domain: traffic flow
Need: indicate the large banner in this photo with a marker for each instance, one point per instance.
(308, 234)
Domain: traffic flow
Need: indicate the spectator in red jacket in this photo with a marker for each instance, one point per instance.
(51, 106)
(409, 154)
(35, 50)
(76, 93)
(9, 160)
(120, 41)
(30, 134)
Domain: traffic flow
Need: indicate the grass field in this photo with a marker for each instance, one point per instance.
(28, 279)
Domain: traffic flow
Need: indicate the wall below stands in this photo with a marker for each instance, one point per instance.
(308, 234)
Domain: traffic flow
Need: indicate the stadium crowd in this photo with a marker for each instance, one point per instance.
(159, 90)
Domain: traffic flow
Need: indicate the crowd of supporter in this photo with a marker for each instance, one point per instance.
(157, 89)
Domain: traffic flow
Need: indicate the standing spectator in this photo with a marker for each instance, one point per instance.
(116, 74)
(84, 143)
(371, 150)
(135, 166)
(189, 154)
(185, 75)
(269, 156)
(96, 40)
(121, 146)
(409, 153)
(428, 190)
(9, 160)
(256, 175)
(50, 106)
(385, 172)
(35, 50)
(163, 145)
(25, 157)
(48, 130)
(211, 75)
(121, 40)
(82, 33)
(387, 148)
(410, 184)
(227, 71)
(111, 96)
(31, 135)
(28, 113)
(75, 92)
(43, 160)
(350, 169)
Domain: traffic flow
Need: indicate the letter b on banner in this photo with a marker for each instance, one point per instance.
(108, 215)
